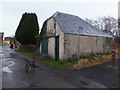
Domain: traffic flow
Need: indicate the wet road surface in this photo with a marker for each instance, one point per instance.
(14, 75)
(0, 68)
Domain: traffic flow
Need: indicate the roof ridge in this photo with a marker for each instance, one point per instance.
(55, 14)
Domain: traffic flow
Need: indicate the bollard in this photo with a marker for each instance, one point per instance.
(113, 58)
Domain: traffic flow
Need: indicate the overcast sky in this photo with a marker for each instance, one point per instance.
(11, 11)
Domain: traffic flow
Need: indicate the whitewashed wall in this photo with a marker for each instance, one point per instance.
(53, 30)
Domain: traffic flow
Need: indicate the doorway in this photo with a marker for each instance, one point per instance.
(56, 47)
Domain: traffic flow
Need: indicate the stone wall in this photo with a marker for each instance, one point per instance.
(68, 43)
(53, 30)
(51, 47)
(88, 46)
(70, 47)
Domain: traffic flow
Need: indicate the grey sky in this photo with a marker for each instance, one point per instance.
(119, 9)
(11, 12)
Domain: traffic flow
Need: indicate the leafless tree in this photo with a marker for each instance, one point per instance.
(118, 27)
(107, 24)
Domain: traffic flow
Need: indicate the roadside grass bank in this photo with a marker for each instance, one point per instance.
(97, 59)
(31, 54)
(73, 64)
(94, 60)
(49, 62)
(59, 64)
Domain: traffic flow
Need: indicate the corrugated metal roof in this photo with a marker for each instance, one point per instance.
(70, 24)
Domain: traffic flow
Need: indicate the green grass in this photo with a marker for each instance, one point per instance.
(2, 44)
(59, 64)
(51, 63)
(31, 54)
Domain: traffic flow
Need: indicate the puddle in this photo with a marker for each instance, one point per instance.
(7, 69)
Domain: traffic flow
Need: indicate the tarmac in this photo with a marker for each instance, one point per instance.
(102, 73)
(98, 76)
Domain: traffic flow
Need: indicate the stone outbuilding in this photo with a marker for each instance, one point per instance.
(59, 38)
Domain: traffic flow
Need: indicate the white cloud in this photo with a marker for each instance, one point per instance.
(119, 9)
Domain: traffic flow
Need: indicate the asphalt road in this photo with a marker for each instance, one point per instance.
(0, 68)
(15, 76)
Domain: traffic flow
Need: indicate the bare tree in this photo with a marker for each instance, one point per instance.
(118, 27)
(107, 24)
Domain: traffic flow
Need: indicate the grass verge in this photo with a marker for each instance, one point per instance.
(31, 54)
(51, 63)
(59, 64)
(86, 62)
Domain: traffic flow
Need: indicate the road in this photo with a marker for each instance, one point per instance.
(14, 75)
(0, 68)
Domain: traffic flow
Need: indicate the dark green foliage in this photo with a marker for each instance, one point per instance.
(38, 40)
(42, 33)
(27, 29)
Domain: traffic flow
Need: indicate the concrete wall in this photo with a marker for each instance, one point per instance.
(88, 46)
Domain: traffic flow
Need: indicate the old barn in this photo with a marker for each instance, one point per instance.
(59, 38)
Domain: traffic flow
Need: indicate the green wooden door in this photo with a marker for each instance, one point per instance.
(44, 47)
